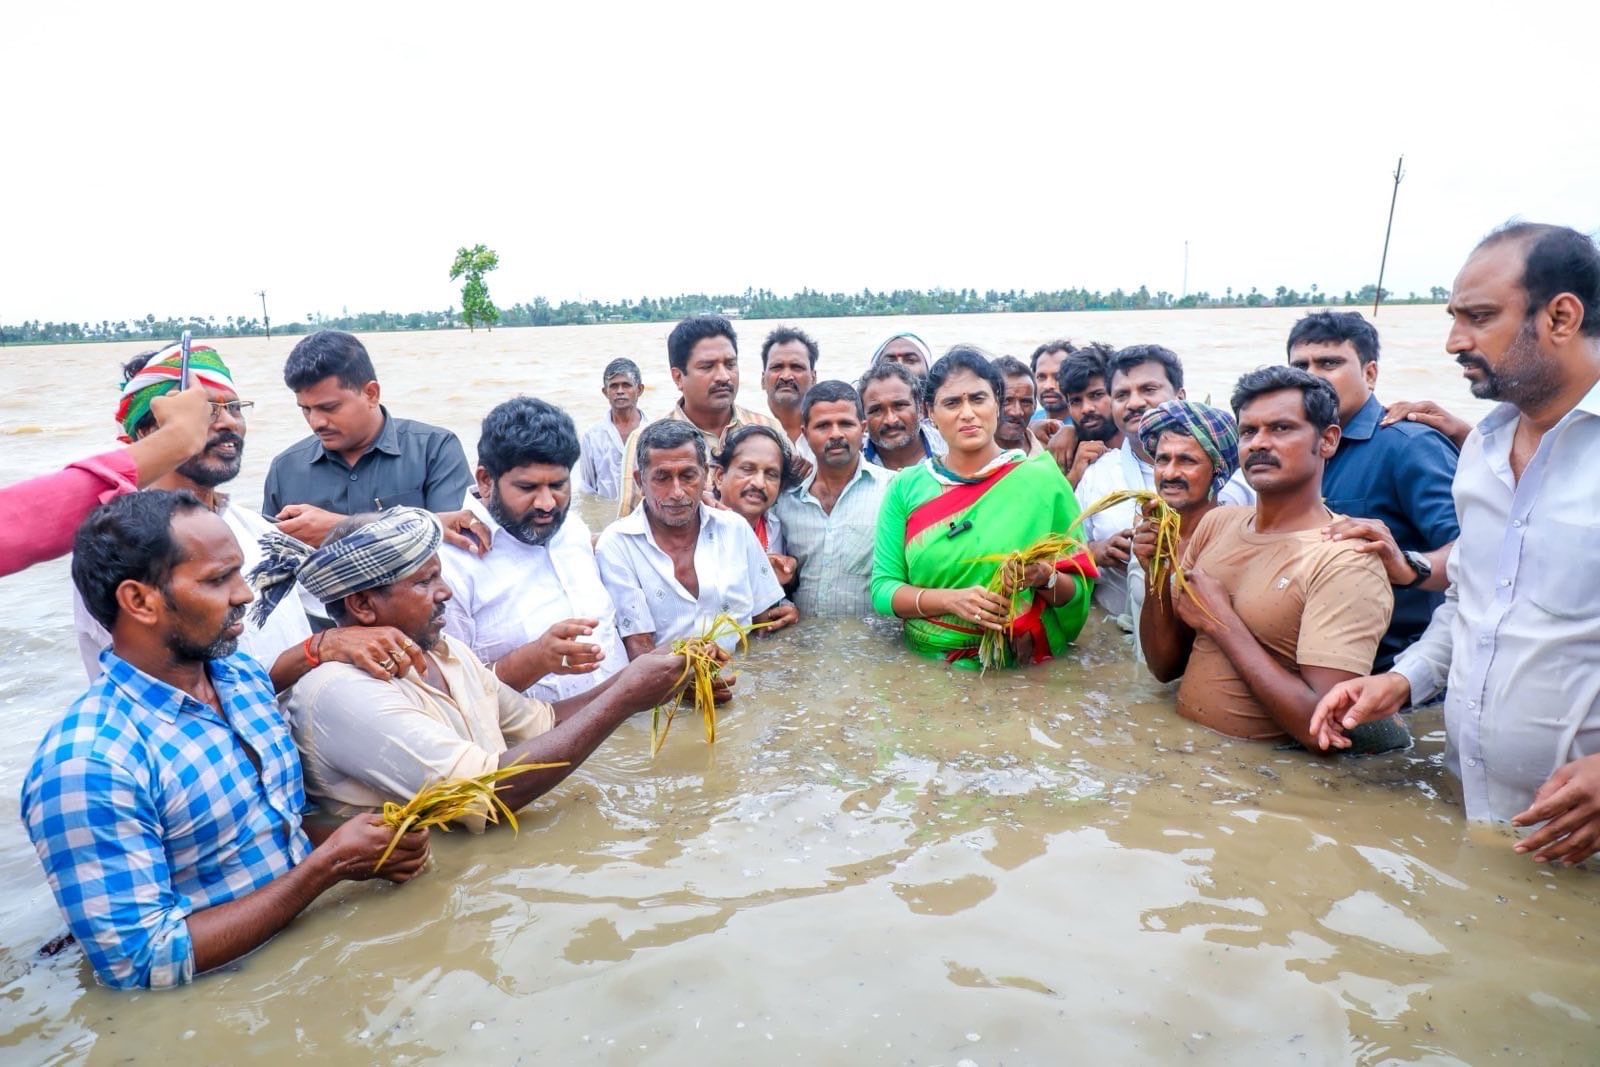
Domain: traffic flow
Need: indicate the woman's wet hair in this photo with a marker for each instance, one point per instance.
(963, 358)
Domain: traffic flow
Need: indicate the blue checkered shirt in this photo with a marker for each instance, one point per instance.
(145, 808)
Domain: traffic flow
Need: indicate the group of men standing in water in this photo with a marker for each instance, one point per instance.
(394, 616)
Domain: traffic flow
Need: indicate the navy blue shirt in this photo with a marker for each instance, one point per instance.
(1401, 475)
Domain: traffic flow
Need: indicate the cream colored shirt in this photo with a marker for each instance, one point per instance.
(628, 490)
(364, 741)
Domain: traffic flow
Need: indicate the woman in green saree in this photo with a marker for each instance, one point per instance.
(943, 521)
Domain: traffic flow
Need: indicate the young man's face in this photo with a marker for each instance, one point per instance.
(892, 416)
(341, 417)
(529, 502)
(1047, 379)
(1015, 411)
(1279, 450)
(788, 375)
(1091, 411)
(1183, 471)
(1337, 363)
(1137, 390)
(622, 392)
(672, 483)
(834, 432)
(710, 380)
(203, 600)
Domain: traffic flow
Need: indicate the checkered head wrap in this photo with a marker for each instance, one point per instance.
(397, 542)
(1213, 428)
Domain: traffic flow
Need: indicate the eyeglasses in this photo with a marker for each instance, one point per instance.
(234, 409)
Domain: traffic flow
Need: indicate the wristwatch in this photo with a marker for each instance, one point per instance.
(1421, 565)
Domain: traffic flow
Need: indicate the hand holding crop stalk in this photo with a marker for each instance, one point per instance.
(1203, 604)
(357, 844)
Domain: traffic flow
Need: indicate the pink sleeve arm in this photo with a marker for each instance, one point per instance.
(39, 517)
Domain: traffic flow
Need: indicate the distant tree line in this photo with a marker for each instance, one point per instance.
(751, 304)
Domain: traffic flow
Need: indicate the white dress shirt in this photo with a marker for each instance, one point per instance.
(1123, 469)
(834, 549)
(517, 591)
(1518, 636)
(286, 627)
(600, 461)
(732, 569)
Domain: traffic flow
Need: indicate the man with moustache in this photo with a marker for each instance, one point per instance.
(1017, 409)
(1392, 481)
(703, 353)
(674, 564)
(1085, 381)
(444, 716)
(1046, 364)
(358, 456)
(601, 463)
(166, 805)
(1518, 636)
(1272, 615)
(897, 435)
(533, 607)
(1195, 451)
(831, 517)
(752, 470)
(905, 350)
(283, 642)
(1141, 377)
(788, 369)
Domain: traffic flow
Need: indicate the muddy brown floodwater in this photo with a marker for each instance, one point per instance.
(880, 860)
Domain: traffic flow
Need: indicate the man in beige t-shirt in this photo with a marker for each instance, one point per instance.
(441, 714)
(1276, 613)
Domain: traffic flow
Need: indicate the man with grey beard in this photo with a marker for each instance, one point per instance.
(1516, 644)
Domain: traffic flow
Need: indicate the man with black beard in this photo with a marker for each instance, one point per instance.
(533, 607)
(166, 804)
(282, 642)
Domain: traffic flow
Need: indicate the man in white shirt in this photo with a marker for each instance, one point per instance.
(674, 565)
(832, 516)
(600, 467)
(1141, 378)
(282, 642)
(532, 607)
(1517, 639)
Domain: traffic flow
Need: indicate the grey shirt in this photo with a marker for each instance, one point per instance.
(411, 464)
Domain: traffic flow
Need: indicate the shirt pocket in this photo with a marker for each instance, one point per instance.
(1566, 591)
(409, 498)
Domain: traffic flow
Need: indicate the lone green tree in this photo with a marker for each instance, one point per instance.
(472, 264)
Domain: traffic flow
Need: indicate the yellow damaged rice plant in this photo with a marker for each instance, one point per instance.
(1008, 582)
(1169, 528)
(700, 670)
(441, 803)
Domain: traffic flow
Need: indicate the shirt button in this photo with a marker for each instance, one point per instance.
(1516, 523)
(1473, 762)
(1472, 703)
(352, 477)
(1504, 582)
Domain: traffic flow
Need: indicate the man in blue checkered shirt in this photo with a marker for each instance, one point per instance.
(166, 806)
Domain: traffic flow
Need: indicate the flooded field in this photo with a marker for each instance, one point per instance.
(880, 860)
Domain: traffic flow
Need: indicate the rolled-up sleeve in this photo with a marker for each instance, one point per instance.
(39, 517)
(98, 835)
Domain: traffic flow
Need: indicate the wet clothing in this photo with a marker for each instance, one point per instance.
(834, 549)
(145, 807)
(935, 532)
(1518, 636)
(629, 495)
(599, 468)
(1307, 600)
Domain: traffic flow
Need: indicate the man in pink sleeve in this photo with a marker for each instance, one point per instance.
(39, 517)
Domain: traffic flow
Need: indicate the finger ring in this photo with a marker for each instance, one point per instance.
(563, 662)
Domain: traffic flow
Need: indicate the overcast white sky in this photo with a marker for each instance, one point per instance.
(173, 158)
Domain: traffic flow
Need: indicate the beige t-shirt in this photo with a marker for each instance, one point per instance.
(1308, 601)
(363, 740)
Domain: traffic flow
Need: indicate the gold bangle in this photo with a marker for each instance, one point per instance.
(916, 605)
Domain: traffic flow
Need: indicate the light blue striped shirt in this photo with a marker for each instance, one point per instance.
(834, 549)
